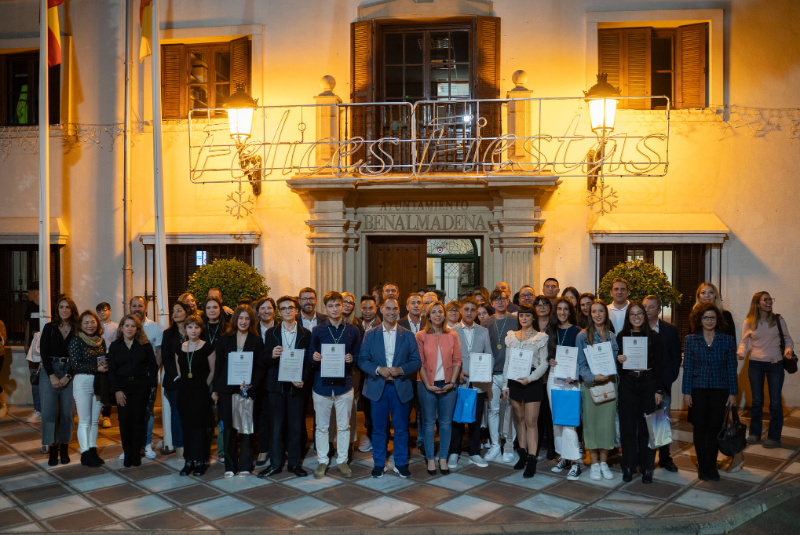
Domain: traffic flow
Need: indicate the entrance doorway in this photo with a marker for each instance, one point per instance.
(452, 265)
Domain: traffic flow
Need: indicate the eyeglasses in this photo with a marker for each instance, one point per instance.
(304, 299)
(542, 304)
(637, 314)
(709, 318)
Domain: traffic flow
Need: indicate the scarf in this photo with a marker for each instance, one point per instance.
(92, 341)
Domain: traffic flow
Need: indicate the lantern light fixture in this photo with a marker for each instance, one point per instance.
(241, 107)
(602, 99)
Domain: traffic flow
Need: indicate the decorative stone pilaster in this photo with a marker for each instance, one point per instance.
(328, 244)
(519, 117)
(327, 132)
(515, 240)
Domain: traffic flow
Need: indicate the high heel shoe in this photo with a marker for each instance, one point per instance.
(530, 467)
(523, 459)
(187, 468)
(53, 455)
(444, 471)
(200, 469)
(627, 474)
(647, 477)
(431, 472)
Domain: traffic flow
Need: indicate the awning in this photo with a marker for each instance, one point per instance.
(188, 230)
(25, 230)
(659, 228)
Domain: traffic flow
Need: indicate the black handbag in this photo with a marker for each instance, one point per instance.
(732, 437)
(790, 364)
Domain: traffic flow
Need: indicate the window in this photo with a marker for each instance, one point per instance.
(184, 260)
(19, 266)
(202, 75)
(657, 61)
(19, 90)
(684, 264)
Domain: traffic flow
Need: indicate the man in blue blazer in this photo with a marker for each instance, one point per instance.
(390, 359)
(671, 360)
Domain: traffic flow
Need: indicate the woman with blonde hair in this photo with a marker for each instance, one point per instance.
(761, 330)
(188, 299)
(708, 293)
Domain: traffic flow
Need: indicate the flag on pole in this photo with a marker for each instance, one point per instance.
(145, 21)
(53, 33)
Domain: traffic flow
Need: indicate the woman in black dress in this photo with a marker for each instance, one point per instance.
(215, 324)
(195, 362)
(245, 339)
(132, 373)
(170, 342)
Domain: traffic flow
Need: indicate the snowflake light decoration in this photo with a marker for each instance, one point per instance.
(604, 197)
(237, 205)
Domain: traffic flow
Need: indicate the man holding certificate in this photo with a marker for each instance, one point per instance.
(477, 366)
(640, 390)
(281, 372)
(333, 344)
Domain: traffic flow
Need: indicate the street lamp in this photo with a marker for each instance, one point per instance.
(240, 108)
(602, 100)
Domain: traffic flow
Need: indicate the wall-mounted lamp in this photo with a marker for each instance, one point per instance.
(602, 100)
(241, 108)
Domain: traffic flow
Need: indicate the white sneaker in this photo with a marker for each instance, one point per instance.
(148, 452)
(606, 471)
(508, 457)
(574, 472)
(228, 474)
(559, 467)
(452, 461)
(366, 445)
(595, 474)
(478, 460)
(34, 417)
(493, 452)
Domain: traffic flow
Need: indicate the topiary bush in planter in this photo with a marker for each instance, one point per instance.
(234, 278)
(643, 279)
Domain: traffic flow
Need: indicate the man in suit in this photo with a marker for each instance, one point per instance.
(308, 316)
(390, 359)
(474, 339)
(671, 358)
(414, 321)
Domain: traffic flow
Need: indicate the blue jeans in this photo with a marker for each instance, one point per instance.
(174, 418)
(52, 400)
(774, 374)
(37, 403)
(390, 403)
(433, 405)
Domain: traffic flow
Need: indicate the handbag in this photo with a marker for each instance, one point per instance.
(790, 364)
(35, 376)
(465, 405)
(506, 419)
(243, 414)
(603, 392)
(33, 350)
(732, 437)
(659, 428)
(566, 407)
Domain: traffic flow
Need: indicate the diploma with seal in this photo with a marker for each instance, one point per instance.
(240, 367)
(601, 359)
(566, 362)
(290, 369)
(635, 349)
(332, 364)
(519, 364)
(480, 367)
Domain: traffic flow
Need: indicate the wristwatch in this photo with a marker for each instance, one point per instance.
(69, 377)
(378, 370)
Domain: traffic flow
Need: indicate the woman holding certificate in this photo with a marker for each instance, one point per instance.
(564, 376)
(640, 391)
(525, 366)
(233, 371)
(440, 353)
(597, 353)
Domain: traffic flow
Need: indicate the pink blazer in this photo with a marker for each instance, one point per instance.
(451, 353)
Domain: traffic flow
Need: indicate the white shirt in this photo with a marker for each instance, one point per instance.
(264, 332)
(469, 334)
(617, 316)
(309, 324)
(154, 332)
(389, 340)
(372, 324)
(414, 326)
(655, 328)
(439, 375)
(110, 332)
(289, 339)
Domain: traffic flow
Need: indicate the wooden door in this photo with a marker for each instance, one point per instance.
(399, 260)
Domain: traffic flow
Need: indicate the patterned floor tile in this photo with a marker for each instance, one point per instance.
(174, 519)
(602, 482)
(502, 493)
(26, 528)
(309, 484)
(385, 508)
(221, 507)
(348, 495)
(302, 508)
(424, 494)
(426, 517)
(793, 468)
(514, 515)
(84, 520)
(703, 499)
(59, 506)
(139, 507)
(751, 475)
(26, 481)
(167, 482)
(469, 507)
(256, 518)
(538, 482)
(595, 513)
(37, 494)
(546, 505)
(775, 453)
(387, 483)
(196, 493)
(731, 487)
(343, 519)
(236, 483)
(117, 494)
(627, 503)
(457, 482)
(269, 494)
(12, 517)
(577, 491)
(656, 489)
(101, 481)
(681, 477)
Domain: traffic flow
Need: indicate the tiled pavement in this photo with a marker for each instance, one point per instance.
(37, 498)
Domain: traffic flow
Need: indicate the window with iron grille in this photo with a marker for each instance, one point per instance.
(19, 266)
(184, 260)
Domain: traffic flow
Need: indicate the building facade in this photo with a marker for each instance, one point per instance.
(400, 141)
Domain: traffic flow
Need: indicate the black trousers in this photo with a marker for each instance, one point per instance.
(708, 406)
(474, 430)
(234, 462)
(287, 410)
(545, 425)
(133, 416)
(637, 397)
(263, 425)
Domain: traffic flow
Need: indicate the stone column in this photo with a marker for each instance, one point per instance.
(515, 239)
(327, 132)
(519, 118)
(328, 244)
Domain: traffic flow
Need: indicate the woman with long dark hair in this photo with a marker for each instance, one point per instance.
(55, 385)
(171, 340)
(571, 293)
(582, 314)
(545, 323)
(215, 324)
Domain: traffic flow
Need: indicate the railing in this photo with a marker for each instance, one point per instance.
(429, 139)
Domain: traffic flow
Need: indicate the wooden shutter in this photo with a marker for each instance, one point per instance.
(609, 62)
(688, 272)
(637, 70)
(173, 82)
(487, 83)
(690, 66)
(240, 64)
(362, 55)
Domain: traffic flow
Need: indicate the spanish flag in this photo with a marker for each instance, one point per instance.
(53, 33)
(146, 22)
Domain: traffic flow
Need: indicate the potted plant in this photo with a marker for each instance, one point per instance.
(234, 278)
(643, 279)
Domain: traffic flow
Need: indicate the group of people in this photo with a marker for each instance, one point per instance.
(401, 356)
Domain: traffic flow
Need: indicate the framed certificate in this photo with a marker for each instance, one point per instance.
(635, 349)
(240, 367)
(290, 368)
(480, 367)
(519, 365)
(566, 362)
(332, 364)
(601, 359)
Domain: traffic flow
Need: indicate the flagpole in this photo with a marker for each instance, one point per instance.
(127, 269)
(44, 171)
(162, 310)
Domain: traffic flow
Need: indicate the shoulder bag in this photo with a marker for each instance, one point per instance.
(604, 392)
(790, 364)
(732, 437)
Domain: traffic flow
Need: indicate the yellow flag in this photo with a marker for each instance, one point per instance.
(146, 22)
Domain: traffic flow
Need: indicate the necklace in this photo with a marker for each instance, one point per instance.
(190, 356)
(499, 336)
(211, 336)
(561, 338)
(336, 340)
(294, 337)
